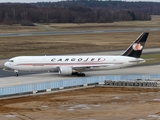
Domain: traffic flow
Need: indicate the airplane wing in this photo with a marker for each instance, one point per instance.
(136, 61)
(90, 66)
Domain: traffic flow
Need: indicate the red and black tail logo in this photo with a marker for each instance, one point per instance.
(137, 47)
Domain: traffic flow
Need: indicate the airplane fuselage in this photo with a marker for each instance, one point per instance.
(49, 63)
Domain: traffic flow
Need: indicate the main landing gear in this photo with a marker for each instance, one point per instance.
(79, 74)
(16, 73)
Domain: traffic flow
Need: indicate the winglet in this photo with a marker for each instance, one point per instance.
(136, 48)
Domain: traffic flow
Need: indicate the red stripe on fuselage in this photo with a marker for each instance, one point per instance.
(62, 64)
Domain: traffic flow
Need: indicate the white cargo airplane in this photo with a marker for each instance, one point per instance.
(75, 65)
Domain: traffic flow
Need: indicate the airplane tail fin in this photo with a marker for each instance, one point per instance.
(136, 48)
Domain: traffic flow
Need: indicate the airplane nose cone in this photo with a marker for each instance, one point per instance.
(6, 64)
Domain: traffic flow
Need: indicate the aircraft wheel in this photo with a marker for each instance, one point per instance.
(80, 74)
(75, 73)
(16, 74)
(83, 74)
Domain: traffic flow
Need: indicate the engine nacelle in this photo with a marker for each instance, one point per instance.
(65, 70)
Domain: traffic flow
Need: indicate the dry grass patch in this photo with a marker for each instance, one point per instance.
(58, 44)
(116, 25)
(18, 28)
(155, 22)
(155, 17)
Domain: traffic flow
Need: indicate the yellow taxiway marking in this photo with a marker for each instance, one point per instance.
(4, 69)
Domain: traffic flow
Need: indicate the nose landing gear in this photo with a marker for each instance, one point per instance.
(16, 72)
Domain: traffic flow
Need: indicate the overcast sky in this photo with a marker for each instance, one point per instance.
(28, 1)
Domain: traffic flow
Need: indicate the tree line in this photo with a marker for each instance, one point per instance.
(76, 11)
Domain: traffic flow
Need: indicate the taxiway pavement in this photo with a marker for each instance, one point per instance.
(76, 32)
(46, 77)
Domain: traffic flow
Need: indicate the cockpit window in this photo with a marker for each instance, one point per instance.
(10, 61)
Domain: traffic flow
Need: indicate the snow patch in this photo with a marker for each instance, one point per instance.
(70, 109)
(10, 116)
(44, 106)
(156, 99)
(157, 117)
(113, 103)
(80, 106)
(116, 97)
(97, 105)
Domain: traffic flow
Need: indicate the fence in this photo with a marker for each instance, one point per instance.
(70, 83)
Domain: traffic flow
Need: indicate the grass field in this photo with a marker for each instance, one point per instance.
(58, 44)
(101, 26)
(155, 22)
(85, 26)
(61, 44)
(151, 58)
(18, 28)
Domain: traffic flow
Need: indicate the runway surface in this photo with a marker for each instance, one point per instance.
(145, 51)
(46, 77)
(76, 32)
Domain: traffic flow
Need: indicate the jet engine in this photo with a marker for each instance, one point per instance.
(65, 70)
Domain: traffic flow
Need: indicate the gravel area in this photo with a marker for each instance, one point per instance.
(100, 103)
